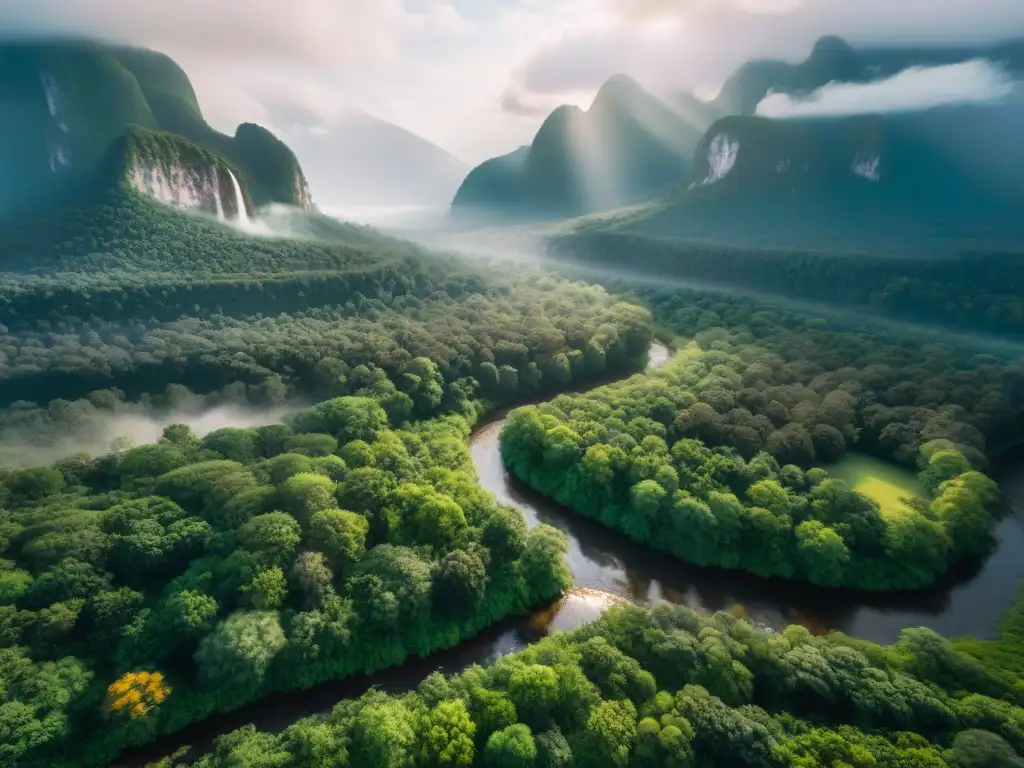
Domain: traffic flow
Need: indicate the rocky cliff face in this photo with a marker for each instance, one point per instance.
(303, 197)
(177, 172)
(210, 189)
(756, 154)
(66, 105)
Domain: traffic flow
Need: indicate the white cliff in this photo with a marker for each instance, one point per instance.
(208, 189)
(722, 154)
(867, 167)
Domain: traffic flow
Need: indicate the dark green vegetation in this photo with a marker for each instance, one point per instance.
(813, 192)
(974, 289)
(1005, 655)
(64, 105)
(934, 182)
(145, 589)
(624, 148)
(665, 688)
(715, 458)
(288, 319)
(249, 561)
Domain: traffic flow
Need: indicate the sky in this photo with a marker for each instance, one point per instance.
(477, 76)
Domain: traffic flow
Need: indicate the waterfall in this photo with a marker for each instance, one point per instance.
(216, 197)
(239, 200)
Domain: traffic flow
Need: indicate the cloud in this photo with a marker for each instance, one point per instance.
(912, 89)
(319, 32)
(697, 44)
(659, 9)
(244, 54)
(901, 20)
(514, 105)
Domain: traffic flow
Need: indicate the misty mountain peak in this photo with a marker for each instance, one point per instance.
(620, 93)
(832, 47)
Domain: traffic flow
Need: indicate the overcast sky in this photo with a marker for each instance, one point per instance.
(476, 76)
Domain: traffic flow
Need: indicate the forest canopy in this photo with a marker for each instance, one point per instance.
(148, 587)
(717, 458)
(192, 575)
(666, 688)
(976, 288)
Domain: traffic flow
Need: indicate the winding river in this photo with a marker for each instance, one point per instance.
(608, 568)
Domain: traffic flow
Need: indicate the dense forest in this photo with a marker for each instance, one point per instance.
(343, 530)
(976, 288)
(911, 388)
(509, 339)
(127, 301)
(119, 255)
(145, 590)
(717, 458)
(666, 688)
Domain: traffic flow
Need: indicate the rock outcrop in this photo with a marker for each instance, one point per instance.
(64, 105)
(183, 174)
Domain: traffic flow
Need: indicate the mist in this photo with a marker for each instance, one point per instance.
(526, 246)
(104, 432)
(390, 217)
(977, 81)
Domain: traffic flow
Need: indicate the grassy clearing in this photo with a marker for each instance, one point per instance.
(885, 483)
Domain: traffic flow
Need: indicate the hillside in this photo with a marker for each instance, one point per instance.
(834, 60)
(914, 216)
(363, 160)
(64, 103)
(628, 145)
(933, 180)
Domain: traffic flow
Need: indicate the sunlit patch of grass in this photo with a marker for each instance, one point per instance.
(885, 483)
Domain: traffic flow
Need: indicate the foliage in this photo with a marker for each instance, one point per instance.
(420, 336)
(137, 693)
(813, 702)
(170, 557)
(714, 457)
(974, 287)
(690, 459)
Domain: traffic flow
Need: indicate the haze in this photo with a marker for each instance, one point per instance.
(476, 77)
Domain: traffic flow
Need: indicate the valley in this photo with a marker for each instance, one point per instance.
(687, 434)
(608, 569)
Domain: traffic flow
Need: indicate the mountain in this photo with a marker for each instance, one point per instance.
(834, 60)
(627, 146)
(929, 180)
(363, 160)
(66, 107)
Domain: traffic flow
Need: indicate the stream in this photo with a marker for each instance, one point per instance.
(609, 568)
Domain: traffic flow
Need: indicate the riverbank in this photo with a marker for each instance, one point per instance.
(609, 568)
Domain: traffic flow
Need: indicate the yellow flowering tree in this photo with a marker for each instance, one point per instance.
(136, 693)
